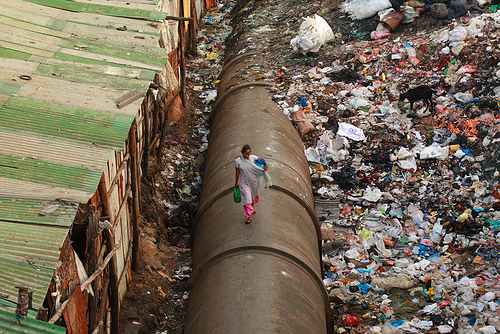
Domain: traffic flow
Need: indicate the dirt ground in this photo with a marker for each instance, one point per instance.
(157, 297)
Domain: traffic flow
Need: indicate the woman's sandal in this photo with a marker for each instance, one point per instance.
(249, 219)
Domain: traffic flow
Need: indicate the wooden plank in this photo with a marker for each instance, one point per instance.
(26, 49)
(84, 285)
(32, 27)
(30, 13)
(75, 94)
(9, 88)
(118, 174)
(111, 76)
(135, 184)
(93, 250)
(101, 9)
(128, 4)
(19, 66)
(26, 37)
(105, 21)
(118, 60)
(3, 99)
(128, 98)
(14, 54)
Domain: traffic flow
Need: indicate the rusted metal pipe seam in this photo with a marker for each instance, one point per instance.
(206, 180)
(230, 64)
(202, 210)
(262, 250)
(235, 89)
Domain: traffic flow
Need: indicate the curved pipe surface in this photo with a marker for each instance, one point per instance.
(264, 277)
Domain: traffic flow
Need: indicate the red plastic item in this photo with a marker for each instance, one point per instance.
(351, 320)
(443, 304)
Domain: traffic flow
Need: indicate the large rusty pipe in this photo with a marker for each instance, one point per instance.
(264, 277)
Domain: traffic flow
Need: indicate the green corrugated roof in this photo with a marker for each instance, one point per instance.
(63, 64)
(10, 323)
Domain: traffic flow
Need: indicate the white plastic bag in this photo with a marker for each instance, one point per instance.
(351, 132)
(313, 33)
(457, 36)
(362, 9)
(434, 152)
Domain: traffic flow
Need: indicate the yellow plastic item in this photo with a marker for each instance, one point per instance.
(212, 56)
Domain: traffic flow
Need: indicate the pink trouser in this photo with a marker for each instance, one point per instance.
(248, 208)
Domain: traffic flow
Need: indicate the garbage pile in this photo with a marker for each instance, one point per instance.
(415, 187)
(391, 13)
(408, 189)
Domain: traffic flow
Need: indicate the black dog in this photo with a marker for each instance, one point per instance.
(422, 92)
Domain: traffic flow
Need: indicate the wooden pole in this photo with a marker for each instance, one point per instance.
(135, 195)
(182, 41)
(98, 328)
(108, 321)
(114, 300)
(43, 314)
(145, 122)
(85, 284)
(164, 125)
(193, 28)
(104, 296)
(177, 18)
(93, 250)
(155, 124)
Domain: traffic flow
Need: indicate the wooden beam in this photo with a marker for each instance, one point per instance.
(85, 284)
(146, 135)
(93, 229)
(165, 127)
(114, 301)
(108, 321)
(155, 127)
(118, 172)
(178, 18)
(193, 28)
(153, 142)
(126, 264)
(98, 328)
(182, 42)
(135, 196)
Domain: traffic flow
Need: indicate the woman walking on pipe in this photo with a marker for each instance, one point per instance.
(252, 176)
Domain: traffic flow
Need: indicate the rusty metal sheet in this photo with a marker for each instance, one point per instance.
(76, 320)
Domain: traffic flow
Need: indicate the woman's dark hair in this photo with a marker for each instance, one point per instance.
(245, 148)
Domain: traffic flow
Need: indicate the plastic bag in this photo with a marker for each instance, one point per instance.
(302, 122)
(457, 35)
(362, 9)
(434, 152)
(351, 320)
(313, 33)
(351, 132)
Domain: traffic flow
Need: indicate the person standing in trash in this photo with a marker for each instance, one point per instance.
(251, 179)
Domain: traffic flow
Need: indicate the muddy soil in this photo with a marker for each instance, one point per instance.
(157, 296)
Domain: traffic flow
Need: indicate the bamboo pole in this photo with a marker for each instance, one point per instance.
(85, 284)
(135, 196)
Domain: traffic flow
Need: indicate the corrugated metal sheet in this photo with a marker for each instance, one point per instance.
(63, 65)
(9, 323)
